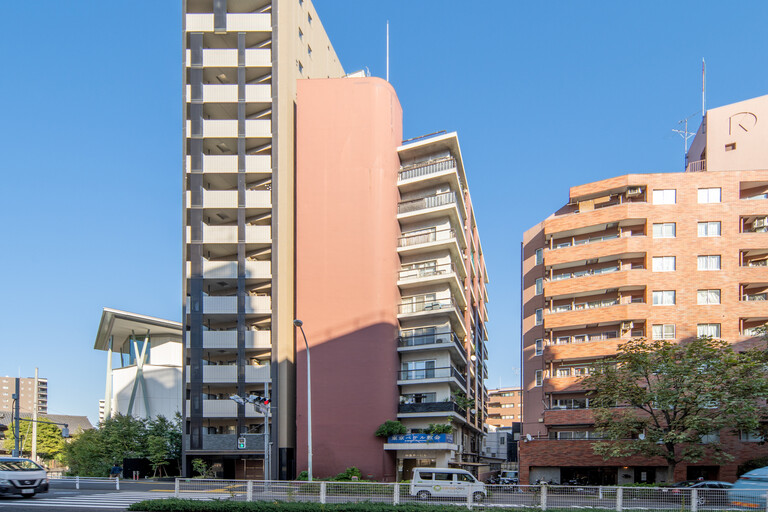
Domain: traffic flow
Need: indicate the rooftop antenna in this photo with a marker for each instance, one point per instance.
(686, 135)
(703, 88)
(387, 50)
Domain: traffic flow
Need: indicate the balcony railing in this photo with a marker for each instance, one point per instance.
(585, 241)
(432, 373)
(584, 273)
(427, 237)
(696, 166)
(425, 168)
(427, 202)
(755, 296)
(426, 305)
(756, 263)
(434, 270)
(425, 407)
(430, 339)
(595, 304)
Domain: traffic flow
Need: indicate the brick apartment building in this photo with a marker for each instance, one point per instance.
(505, 407)
(662, 256)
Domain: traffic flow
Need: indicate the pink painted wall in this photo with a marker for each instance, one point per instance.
(348, 131)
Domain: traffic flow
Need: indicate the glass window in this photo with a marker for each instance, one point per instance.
(447, 477)
(668, 196)
(708, 297)
(663, 331)
(539, 256)
(664, 230)
(563, 372)
(712, 330)
(709, 195)
(539, 316)
(751, 437)
(539, 286)
(539, 347)
(539, 376)
(663, 263)
(664, 298)
(711, 262)
(709, 228)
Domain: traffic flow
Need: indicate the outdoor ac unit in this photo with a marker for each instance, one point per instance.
(634, 191)
(761, 223)
(625, 326)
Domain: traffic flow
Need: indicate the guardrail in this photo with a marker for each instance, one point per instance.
(477, 495)
(77, 480)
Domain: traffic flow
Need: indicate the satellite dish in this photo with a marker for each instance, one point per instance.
(528, 437)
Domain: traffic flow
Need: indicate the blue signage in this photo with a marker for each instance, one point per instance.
(421, 438)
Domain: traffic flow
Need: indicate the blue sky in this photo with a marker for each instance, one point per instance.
(544, 95)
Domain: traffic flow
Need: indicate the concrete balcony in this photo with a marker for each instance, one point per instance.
(228, 269)
(236, 22)
(433, 275)
(632, 278)
(227, 305)
(438, 171)
(225, 409)
(228, 234)
(426, 308)
(626, 244)
(227, 93)
(444, 375)
(228, 163)
(228, 199)
(227, 374)
(433, 241)
(436, 341)
(433, 207)
(563, 384)
(569, 417)
(605, 215)
(227, 340)
(588, 350)
(227, 58)
(227, 128)
(609, 314)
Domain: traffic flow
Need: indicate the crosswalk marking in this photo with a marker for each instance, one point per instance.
(114, 500)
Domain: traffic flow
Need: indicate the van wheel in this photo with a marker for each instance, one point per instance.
(423, 495)
(478, 496)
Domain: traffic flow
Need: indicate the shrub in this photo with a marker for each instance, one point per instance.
(390, 428)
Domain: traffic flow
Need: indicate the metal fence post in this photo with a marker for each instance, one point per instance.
(694, 500)
(469, 499)
(117, 483)
(322, 492)
(176, 488)
(600, 492)
(396, 494)
(77, 482)
(250, 491)
(543, 497)
(619, 499)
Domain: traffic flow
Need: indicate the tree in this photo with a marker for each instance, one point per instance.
(49, 440)
(659, 398)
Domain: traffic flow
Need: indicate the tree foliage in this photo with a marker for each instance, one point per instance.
(93, 452)
(49, 440)
(659, 398)
(390, 428)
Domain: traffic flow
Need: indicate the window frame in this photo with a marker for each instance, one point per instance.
(707, 224)
(664, 296)
(663, 196)
(709, 257)
(663, 260)
(664, 334)
(707, 192)
(662, 226)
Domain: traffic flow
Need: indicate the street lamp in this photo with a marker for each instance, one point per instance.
(298, 323)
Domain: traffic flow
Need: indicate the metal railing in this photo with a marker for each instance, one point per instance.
(438, 338)
(696, 166)
(423, 203)
(445, 372)
(426, 305)
(431, 407)
(476, 495)
(425, 168)
(426, 271)
(78, 480)
(426, 237)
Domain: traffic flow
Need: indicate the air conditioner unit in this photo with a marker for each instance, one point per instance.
(634, 191)
(625, 326)
(761, 223)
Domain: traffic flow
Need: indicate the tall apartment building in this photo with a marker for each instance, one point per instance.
(302, 202)
(505, 407)
(662, 256)
(29, 397)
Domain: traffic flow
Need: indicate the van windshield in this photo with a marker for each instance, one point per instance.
(18, 465)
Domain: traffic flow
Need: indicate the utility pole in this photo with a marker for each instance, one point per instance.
(35, 400)
(16, 398)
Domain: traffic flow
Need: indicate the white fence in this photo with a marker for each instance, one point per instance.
(77, 480)
(481, 497)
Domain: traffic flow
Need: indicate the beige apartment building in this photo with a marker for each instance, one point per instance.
(505, 407)
(663, 256)
(30, 398)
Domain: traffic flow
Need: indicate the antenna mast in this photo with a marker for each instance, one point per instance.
(703, 88)
(685, 134)
(387, 50)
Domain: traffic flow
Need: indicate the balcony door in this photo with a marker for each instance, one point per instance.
(419, 369)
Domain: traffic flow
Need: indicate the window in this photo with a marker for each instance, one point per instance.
(709, 195)
(563, 372)
(712, 330)
(664, 298)
(664, 230)
(663, 263)
(708, 297)
(709, 262)
(668, 196)
(712, 437)
(750, 437)
(562, 340)
(501, 441)
(539, 286)
(539, 256)
(418, 370)
(539, 347)
(663, 331)
(539, 376)
(539, 316)
(709, 228)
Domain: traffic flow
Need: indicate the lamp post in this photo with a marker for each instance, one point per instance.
(298, 323)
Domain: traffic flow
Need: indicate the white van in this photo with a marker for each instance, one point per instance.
(448, 483)
(21, 477)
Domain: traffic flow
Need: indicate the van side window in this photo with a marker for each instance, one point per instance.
(426, 476)
(446, 477)
(465, 478)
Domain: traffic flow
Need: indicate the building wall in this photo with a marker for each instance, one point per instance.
(26, 392)
(512, 398)
(348, 131)
(163, 391)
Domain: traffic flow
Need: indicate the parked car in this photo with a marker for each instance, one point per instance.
(710, 492)
(21, 477)
(508, 477)
(444, 482)
(749, 490)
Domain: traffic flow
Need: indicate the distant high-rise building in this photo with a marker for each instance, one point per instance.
(30, 398)
(505, 407)
(665, 256)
